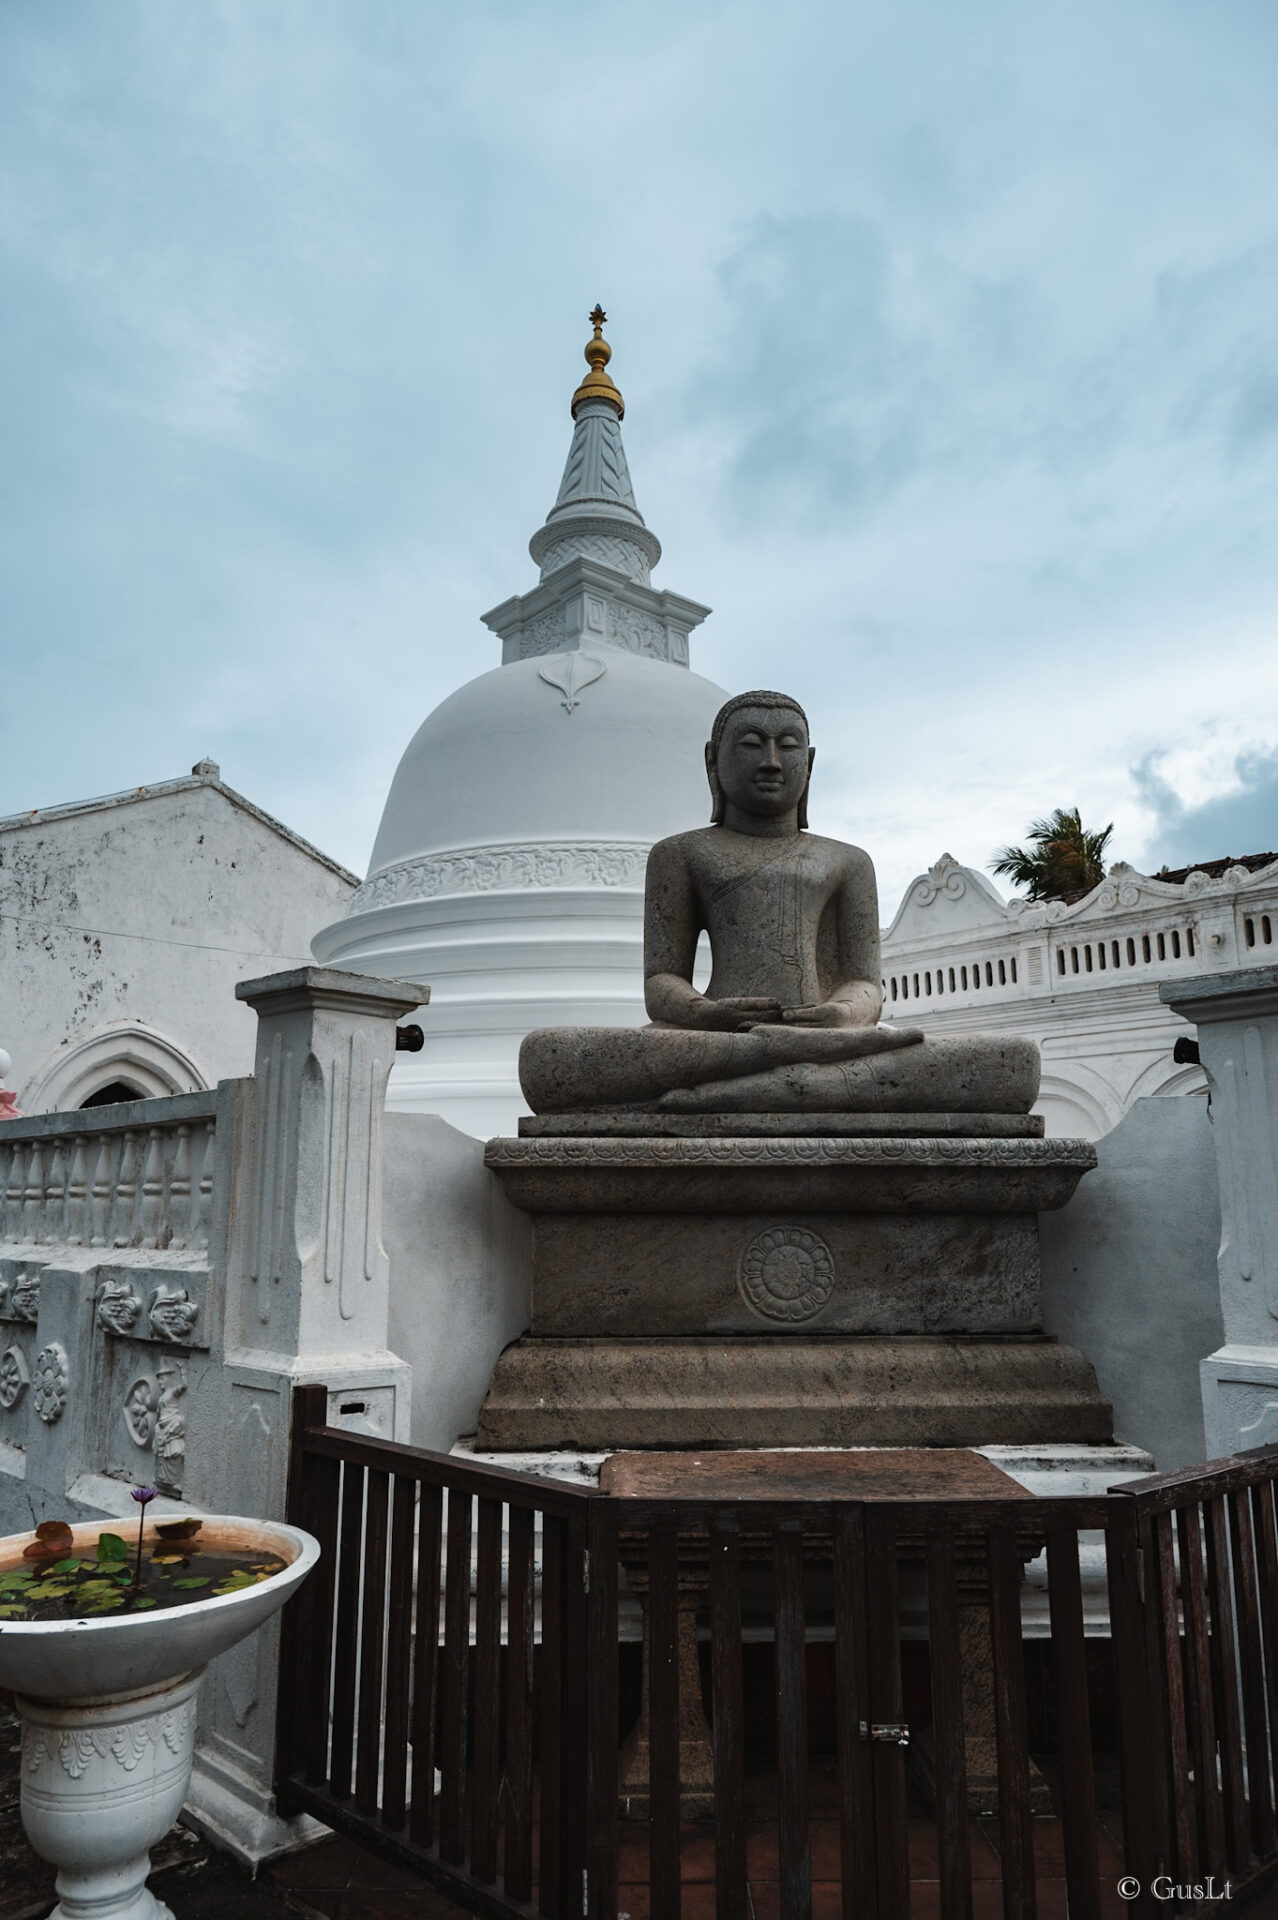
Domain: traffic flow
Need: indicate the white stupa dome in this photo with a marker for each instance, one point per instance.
(508, 869)
(506, 761)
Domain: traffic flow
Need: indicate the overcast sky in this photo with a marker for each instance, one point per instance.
(949, 341)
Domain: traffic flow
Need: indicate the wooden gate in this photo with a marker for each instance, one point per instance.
(450, 1680)
(966, 1556)
(1198, 1587)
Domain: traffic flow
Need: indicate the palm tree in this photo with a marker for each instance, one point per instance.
(1062, 859)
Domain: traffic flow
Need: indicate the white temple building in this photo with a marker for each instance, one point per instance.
(1082, 977)
(125, 923)
(508, 869)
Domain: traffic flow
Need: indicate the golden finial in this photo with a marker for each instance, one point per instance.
(597, 385)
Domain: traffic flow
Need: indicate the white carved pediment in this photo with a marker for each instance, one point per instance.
(1125, 889)
(948, 898)
(1232, 880)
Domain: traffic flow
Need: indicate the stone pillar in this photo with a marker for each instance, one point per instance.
(1236, 1015)
(696, 1750)
(306, 1299)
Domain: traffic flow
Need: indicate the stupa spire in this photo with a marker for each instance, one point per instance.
(595, 554)
(595, 516)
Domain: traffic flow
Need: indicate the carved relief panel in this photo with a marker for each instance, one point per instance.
(141, 1417)
(150, 1325)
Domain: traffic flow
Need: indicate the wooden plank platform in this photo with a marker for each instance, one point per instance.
(792, 1473)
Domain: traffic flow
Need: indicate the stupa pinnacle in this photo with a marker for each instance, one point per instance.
(597, 385)
(595, 516)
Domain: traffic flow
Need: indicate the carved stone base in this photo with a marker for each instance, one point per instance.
(980, 1736)
(237, 1815)
(632, 1124)
(980, 1754)
(696, 1754)
(810, 1233)
(1240, 1399)
(795, 1392)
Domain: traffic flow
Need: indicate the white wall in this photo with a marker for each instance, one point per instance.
(1129, 1274)
(460, 1270)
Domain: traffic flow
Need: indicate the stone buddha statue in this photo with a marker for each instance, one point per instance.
(789, 1020)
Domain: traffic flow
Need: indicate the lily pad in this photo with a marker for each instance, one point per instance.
(178, 1529)
(237, 1581)
(196, 1580)
(112, 1547)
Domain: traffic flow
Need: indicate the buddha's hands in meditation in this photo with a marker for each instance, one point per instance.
(830, 1013)
(863, 1037)
(857, 1004)
(732, 1015)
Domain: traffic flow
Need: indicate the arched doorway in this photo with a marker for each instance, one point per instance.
(113, 1094)
(125, 1061)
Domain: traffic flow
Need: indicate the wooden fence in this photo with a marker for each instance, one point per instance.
(450, 1678)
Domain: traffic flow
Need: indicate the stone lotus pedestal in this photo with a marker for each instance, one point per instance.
(108, 1709)
(731, 1280)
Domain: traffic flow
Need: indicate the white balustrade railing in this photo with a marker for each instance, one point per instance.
(141, 1174)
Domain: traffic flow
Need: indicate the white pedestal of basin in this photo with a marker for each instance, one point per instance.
(108, 1710)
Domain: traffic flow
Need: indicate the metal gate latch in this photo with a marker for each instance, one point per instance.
(893, 1733)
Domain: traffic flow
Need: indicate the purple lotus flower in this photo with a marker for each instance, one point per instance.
(142, 1495)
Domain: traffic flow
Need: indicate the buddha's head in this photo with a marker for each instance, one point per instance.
(758, 757)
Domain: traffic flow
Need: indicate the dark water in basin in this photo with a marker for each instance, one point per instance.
(99, 1582)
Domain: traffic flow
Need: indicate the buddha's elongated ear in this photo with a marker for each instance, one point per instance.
(716, 791)
(803, 802)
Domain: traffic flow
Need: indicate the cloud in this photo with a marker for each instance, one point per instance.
(945, 334)
(1242, 820)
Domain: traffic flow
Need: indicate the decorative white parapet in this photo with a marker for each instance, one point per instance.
(170, 1270)
(1236, 1015)
(1080, 977)
(109, 1306)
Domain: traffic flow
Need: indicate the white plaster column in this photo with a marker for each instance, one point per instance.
(1236, 1015)
(308, 1274)
(307, 1299)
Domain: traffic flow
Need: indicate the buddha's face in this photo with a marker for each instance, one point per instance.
(764, 761)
